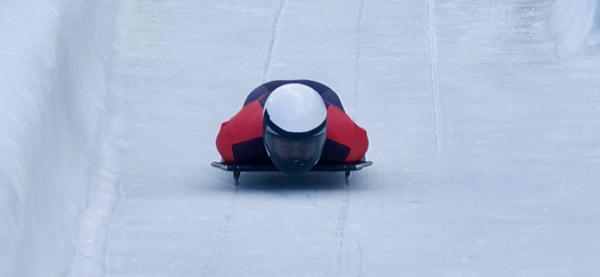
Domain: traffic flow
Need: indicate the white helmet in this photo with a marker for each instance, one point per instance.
(294, 127)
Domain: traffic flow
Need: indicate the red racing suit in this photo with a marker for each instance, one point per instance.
(240, 139)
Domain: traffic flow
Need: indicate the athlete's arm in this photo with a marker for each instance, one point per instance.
(346, 141)
(236, 137)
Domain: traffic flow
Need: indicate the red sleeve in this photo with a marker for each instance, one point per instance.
(341, 129)
(244, 126)
(359, 146)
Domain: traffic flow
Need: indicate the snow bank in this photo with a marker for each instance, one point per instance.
(574, 24)
(52, 106)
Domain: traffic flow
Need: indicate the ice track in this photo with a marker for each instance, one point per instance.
(513, 193)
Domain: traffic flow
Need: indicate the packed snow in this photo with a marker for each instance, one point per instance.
(574, 24)
(52, 107)
(482, 117)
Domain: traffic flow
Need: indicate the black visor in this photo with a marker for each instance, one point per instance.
(294, 152)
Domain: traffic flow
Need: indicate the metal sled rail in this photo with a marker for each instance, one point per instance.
(238, 168)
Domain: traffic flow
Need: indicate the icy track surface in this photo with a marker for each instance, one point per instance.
(486, 145)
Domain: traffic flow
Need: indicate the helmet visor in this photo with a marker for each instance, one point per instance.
(293, 149)
(292, 152)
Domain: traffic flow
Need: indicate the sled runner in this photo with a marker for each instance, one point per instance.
(237, 169)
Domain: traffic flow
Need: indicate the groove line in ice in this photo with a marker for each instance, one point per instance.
(224, 238)
(357, 61)
(433, 70)
(272, 43)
